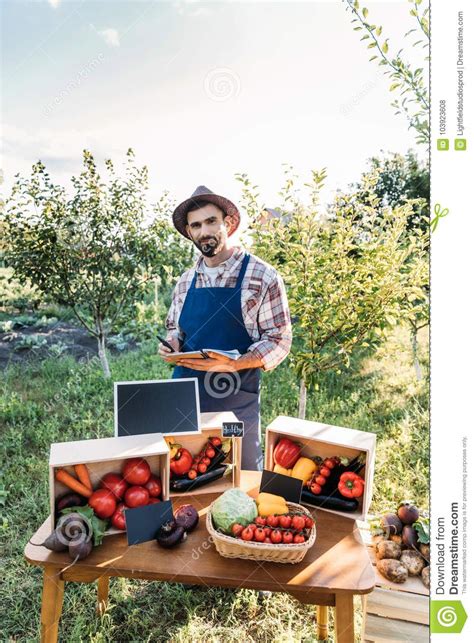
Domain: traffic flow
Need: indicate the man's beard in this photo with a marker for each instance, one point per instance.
(211, 245)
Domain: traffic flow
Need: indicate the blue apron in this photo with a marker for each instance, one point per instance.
(212, 318)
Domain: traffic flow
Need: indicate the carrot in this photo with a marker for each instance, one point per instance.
(82, 472)
(71, 482)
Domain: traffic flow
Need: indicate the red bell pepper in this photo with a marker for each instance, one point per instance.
(181, 463)
(351, 485)
(286, 453)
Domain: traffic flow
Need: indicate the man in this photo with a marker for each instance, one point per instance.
(229, 300)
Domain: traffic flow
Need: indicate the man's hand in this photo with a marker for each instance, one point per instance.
(165, 352)
(222, 364)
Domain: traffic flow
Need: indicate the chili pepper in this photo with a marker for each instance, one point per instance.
(182, 462)
(351, 485)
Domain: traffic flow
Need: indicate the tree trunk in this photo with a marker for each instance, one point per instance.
(414, 346)
(103, 355)
(302, 400)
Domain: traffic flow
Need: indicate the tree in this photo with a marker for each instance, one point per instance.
(408, 83)
(343, 282)
(93, 252)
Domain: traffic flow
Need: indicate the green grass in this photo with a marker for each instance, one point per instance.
(59, 399)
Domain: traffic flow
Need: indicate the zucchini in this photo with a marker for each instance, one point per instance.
(186, 484)
(334, 501)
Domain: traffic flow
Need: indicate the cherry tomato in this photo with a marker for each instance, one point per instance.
(259, 534)
(206, 461)
(103, 503)
(276, 536)
(267, 540)
(284, 521)
(216, 442)
(320, 480)
(287, 537)
(114, 483)
(118, 517)
(153, 486)
(309, 522)
(202, 468)
(273, 521)
(252, 526)
(316, 488)
(299, 538)
(260, 520)
(153, 501)
(210, 452)
(298, 522)
(324, 471)
(192, 473)
(136, 471)
(329, 463)
(268, 531)
(136, 496)
(247, 534)
(237, 529)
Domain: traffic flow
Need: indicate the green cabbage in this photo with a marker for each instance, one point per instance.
(233, 506)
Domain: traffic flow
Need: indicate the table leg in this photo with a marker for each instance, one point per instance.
(51, 604)
(102, 594)
(344, 618)
(322, 615)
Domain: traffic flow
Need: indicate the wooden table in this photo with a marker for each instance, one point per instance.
(334, 569)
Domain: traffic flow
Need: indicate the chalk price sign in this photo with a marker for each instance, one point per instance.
(232, 429)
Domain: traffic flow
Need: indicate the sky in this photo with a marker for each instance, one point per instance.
(200, 90)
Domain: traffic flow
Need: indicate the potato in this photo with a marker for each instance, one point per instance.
(413, 561)
(376, 538)
(392, 570)
(425, 552)
(425, 576)
(387, 549)
(396, 538)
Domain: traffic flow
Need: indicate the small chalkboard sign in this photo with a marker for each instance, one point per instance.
(281, 485)
(144, 522)
(157, 406)
(232, 429)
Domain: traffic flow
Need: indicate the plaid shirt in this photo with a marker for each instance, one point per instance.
(264, 304)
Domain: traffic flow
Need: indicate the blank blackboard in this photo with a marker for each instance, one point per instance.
(161, 406)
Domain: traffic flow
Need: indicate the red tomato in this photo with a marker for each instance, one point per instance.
(267, 540)
(202, 468)
(103, 503)
(237, 529)
(210, 452)
(118, 517)
(287, 537)
(298, 522)
(285, 521)
(273, 521)
(329, 463)
(136, 471)
(216, 442)
(268, 531)
(309, 522)
(252, 526)
(321, 480)
(114, 483)
(324, 471)
(206, 461)
(259, 534)
(192, 473)
(260, 520)
(247, 534)
(136, 496)
(316, 488)
(154, 486)
(276, 536)
(299, 538)
(153, 501)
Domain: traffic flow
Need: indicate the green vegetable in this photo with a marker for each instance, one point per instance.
(233, 506)
(99, 526)
(422, 527)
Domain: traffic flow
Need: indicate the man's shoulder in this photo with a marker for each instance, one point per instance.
(186, 278)
(262, 269)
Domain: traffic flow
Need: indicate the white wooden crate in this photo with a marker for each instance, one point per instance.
(325, 440)
(211, 425)
(106, 455)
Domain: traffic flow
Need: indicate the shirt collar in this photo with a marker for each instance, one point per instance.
(229, 265)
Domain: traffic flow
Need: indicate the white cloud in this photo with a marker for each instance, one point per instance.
(110, 36)
(54, 3)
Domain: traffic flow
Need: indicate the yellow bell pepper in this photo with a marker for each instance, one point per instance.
(304, 469)
(267, 508)
(279, 469)
(173, 447)
(270, 497)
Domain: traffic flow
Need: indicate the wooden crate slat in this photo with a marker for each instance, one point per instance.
(384, 630)
(399, 605)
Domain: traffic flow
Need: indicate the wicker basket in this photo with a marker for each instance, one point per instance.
(231, 547)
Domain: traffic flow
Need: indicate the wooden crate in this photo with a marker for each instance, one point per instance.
(325, 440)
(394, 612)
(107, 455)
(211, 425)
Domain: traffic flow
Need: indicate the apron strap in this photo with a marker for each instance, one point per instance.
(240, 278)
